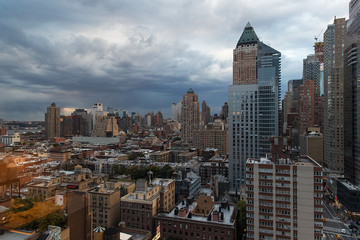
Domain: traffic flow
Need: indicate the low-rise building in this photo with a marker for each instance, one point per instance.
(212, 168)
(160, 156)
(187, 186)
(10, 140)
(201, 219)
(348, 195)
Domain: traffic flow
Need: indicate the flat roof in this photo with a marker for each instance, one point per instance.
(227, 214)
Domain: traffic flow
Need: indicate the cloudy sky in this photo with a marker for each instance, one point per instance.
(141, 55)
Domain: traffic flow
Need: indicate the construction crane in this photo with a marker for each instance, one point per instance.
(317, 37)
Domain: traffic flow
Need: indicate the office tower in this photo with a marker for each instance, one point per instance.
(306, 106)
(225, 111)
(173, 112)
(352, 95)
(205, 113)
(190, 116)
(313, 70)
(176, 111)
(284, 199)
(294, 84)
(254, 100)
(334, 38)
(106, 126)
(52, 122)
(83, 126)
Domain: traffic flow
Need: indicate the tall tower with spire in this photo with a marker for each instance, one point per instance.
(254, 100)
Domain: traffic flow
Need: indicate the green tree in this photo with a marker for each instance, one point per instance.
(57, 218)
(241, 219)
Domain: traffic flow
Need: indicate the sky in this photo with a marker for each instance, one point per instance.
(142, 55)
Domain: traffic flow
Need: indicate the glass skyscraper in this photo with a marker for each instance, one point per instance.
(254, 100)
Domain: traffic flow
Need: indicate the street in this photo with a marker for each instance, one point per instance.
(334, 225)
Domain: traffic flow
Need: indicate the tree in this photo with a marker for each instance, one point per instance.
(241, 219)
(57, 218)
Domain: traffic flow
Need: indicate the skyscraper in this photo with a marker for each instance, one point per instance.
(352, 95)
(190, 116)
(205, 113)
(52, 122)
(334, 38)
(254, 100)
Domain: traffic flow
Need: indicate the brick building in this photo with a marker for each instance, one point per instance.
(201, 219)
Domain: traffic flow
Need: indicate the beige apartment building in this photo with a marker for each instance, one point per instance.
(105, 204)
(149, 198)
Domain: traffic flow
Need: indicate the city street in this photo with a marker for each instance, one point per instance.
(334, 225)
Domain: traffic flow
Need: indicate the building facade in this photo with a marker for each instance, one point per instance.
(334, 39)
(211, 138)
(352, 96)
(254, 100)
(284, 199)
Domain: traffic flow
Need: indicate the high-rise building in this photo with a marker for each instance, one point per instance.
(190, 116)
(205, 113)
(83, 126)
(173, 112)
(176, 111)
(352, 95)
(254, 100)
(334, 38)
(225, 111)
(284, 199)
(306, 106)
(52, 122)
(313, 70)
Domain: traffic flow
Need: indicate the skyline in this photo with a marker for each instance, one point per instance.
(141, 57)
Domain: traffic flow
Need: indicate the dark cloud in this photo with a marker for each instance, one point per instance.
(140, 55)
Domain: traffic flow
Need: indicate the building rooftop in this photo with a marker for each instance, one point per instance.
(228, 213)
(348, 184)
(248, 36)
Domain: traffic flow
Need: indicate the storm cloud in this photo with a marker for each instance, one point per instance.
(141, 55)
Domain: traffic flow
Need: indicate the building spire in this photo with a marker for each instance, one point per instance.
(248, 36)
